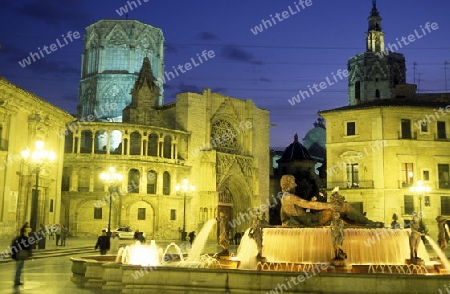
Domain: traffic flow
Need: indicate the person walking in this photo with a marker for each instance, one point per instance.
(103, 243)
(22, 251)
(64, 233)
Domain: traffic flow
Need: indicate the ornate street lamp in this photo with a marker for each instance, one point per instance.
(39, 157)
(184, 187)
(420, 189)
(112, 179)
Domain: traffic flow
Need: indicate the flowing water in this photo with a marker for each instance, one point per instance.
(440, 254)
(314, 245)
(199, 242)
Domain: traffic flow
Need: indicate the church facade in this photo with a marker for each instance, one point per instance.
(219, 143)
(388, 149)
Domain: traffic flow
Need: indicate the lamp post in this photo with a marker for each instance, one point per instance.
(420, 189)
(38, 157)
(112, 179)
(185, 188)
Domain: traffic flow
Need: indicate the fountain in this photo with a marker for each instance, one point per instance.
(291, 259)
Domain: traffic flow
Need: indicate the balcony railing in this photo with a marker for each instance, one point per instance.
(350, 185)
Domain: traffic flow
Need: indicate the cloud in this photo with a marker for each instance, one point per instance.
(207, 36)
(235, 53)
(170, 48)
(182, 87)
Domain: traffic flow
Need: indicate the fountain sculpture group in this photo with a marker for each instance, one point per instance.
(332, 234)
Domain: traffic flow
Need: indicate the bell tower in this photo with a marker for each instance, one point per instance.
(375, 35)
(375, 73)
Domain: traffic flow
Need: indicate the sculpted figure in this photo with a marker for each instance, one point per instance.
(293, 209)
(337, 236)
(414, 237)
(256, 233)
(223, 233)
(442, 233)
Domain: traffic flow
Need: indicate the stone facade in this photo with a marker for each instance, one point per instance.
(24, 119)
(217, 142)
(386, 152)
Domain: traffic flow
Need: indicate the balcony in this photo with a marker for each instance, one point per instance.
(350, 185)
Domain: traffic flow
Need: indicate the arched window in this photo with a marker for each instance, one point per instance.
(135, 143)
(86, 142)
(151, 182)
(167, 146)
(152, 145)
(358, 90)
(133, 181)
(377, 93)
(166, 183)
(101, 140)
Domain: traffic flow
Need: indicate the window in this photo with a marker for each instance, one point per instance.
(51, 206)
(407, 175)
(377, 93)
(409, 204)
(351, 128)
(427, 201)
(406, 129)
(352, 175)
(166, 183)
(443, 171)
(424, 127)
(445, 205)
(426, 175)
(97, 213)
(141, 214)
(358, 90)
(441, 134)
(173, 214)
(151, 182)
(133, 181)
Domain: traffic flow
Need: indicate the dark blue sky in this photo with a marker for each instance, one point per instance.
(269, 68)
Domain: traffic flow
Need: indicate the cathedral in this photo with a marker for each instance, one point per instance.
(218, 143)
(388, 148)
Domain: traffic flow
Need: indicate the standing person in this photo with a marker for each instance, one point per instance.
(103, 243)
(22, 250)
(64, 233)
(191, 237)
(58, 234)
(114, 243)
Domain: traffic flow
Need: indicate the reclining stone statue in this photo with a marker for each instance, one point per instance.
(293, 209)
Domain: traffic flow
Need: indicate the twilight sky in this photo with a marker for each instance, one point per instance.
(309, 44)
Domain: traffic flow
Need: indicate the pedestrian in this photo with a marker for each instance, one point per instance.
(191, 237)
(21, 250)
(64, 233)
(114, 243)
(103, 243)
(58, 234)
